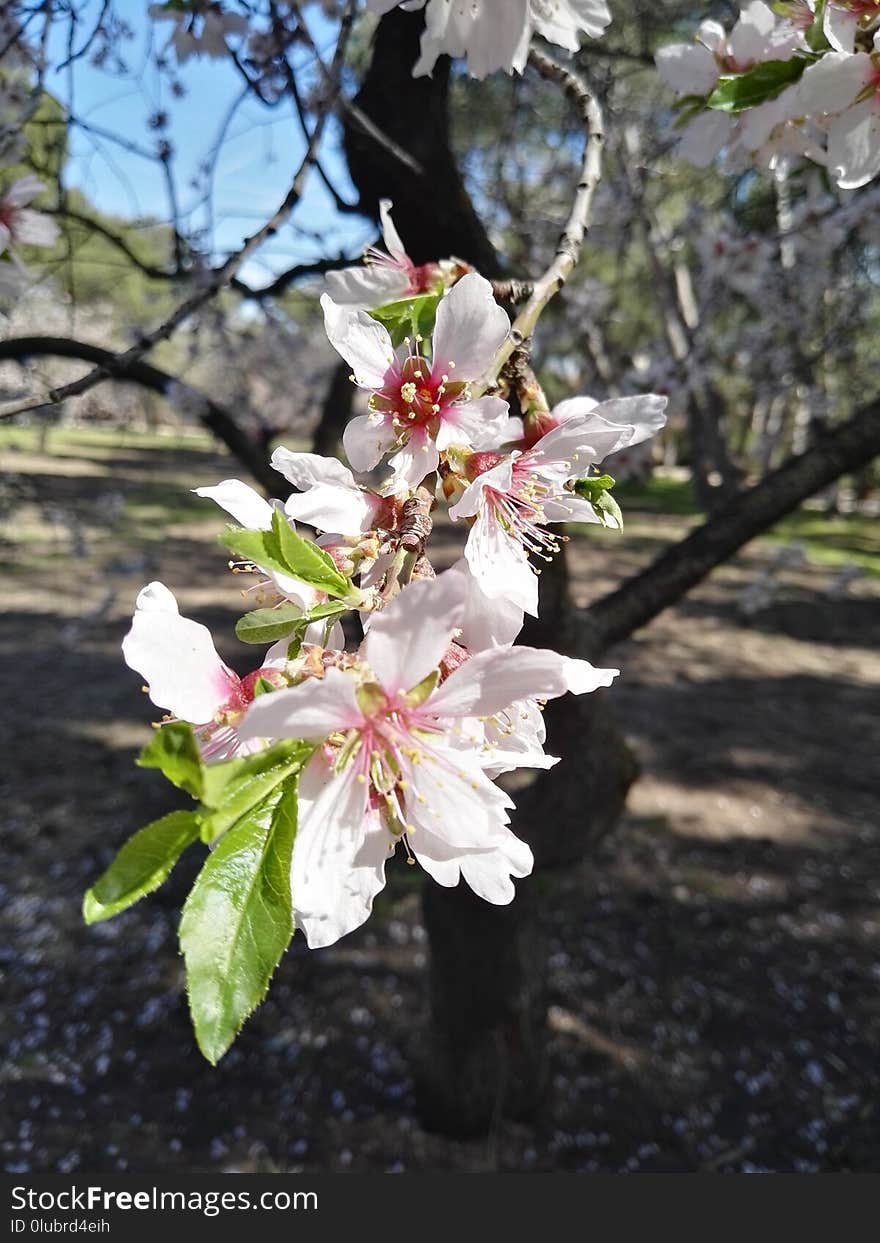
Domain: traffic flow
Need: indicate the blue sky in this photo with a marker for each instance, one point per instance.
(256, 163)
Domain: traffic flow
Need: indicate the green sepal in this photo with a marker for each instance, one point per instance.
(597, 490)
(141, 865)
(738, 92)
(238, 920)
(410, 317)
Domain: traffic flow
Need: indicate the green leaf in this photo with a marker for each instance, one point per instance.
(736, 93)
(238, 921)
(175, 752)
(609, 511)
(321, 612)
(409, 317)
(282, 551)
(234, 787)
(593, 486)
(268, 625)
(141, 866)
(260, 547)
(307, 561)
(597, 490)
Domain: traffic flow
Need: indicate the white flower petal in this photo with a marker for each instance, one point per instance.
(492, 680)
(177, 659)
(304, 470)
(367, 286)
(35, 228)
(486, 622)
(416, 459)
(338, 863)
(391, 237)
(703, 138)
(560, 21)
(470, 328)
(407, 640)
(341, 510)
(312, 710)
(832, 83)
(840, 26)
(240, 501)
(451, 797)
(498, 477)
(566, 507)
(367, 439)
(689, 68)
(488, 873)
(481, 423)
(500, 564)
(362, 341)
(854, 145)
(24, 191)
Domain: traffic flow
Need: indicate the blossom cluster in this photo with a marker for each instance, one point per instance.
(407, 728)
(497, 34)
(799, 79)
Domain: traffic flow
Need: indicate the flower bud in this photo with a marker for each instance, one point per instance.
(537, 422)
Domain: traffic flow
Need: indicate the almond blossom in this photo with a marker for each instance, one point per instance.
(419, 404)
(843, 19)
(330, 498)
(497, 34)
(185, 675)
(390, 767)
(385, 276)
(513, 497)
(21, 225)
(845, 88)
(694, 69)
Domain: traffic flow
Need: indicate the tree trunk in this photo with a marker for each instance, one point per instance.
(335, 412)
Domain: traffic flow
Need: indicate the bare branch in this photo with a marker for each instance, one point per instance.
(219, 276)
(578, 223)
(213, 416)
(681, 567)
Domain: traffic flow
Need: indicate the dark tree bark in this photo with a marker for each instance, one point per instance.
(335, 412)
(432, 210)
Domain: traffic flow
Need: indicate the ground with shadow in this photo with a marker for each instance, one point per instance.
(714, 970)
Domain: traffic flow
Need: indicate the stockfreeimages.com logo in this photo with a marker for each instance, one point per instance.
(209, 1203)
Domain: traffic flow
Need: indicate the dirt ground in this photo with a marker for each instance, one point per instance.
(715, 970)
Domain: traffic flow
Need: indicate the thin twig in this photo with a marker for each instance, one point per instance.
(219, 276)
(578, 223)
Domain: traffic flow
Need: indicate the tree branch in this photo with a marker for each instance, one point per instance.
(644, 596)
(569, 247)
(219, 276)
(211, 415)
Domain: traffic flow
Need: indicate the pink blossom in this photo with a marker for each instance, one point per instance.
(393, 764)
(185, 675)
(420, 404)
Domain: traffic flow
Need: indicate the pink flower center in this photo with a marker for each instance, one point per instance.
(520, 511)
(414, 394)
(243, 692)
